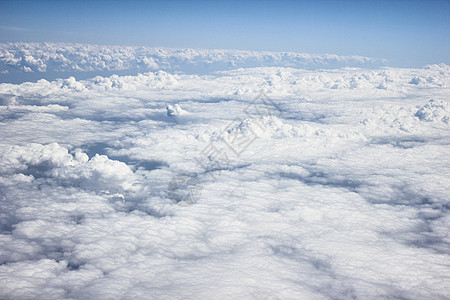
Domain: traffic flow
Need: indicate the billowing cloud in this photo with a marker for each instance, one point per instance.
(60, 57)
(331, 184)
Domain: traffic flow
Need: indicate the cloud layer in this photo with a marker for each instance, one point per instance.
(54, 57)
(333, 184)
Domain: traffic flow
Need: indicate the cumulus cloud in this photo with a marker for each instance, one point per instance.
(434, 111)
(175, 110)
(335, 185)
(60, 57)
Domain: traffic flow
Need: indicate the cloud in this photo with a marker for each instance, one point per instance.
(434, 111)
(13, 28)
(60, 57)
(340, 190)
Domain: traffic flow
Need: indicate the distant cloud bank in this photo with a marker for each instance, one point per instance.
(63, 57)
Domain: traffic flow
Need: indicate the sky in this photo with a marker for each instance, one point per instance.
(307, 183)
(406, 33)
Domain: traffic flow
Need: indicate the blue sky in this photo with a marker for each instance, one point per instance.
(407, 33)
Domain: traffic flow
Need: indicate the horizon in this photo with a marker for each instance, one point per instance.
(33, 61)
(380, 29)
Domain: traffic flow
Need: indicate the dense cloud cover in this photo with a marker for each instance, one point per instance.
(60, 57)
(328, 185)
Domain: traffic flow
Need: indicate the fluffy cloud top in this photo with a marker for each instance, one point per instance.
(332, 184)
(50, 57)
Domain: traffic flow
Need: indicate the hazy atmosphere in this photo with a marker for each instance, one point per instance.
(224, 150)
(406, 33)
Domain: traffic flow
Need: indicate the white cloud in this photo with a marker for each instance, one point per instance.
(434, 111)
(13, 28)
(342, 195)
(60, 57)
